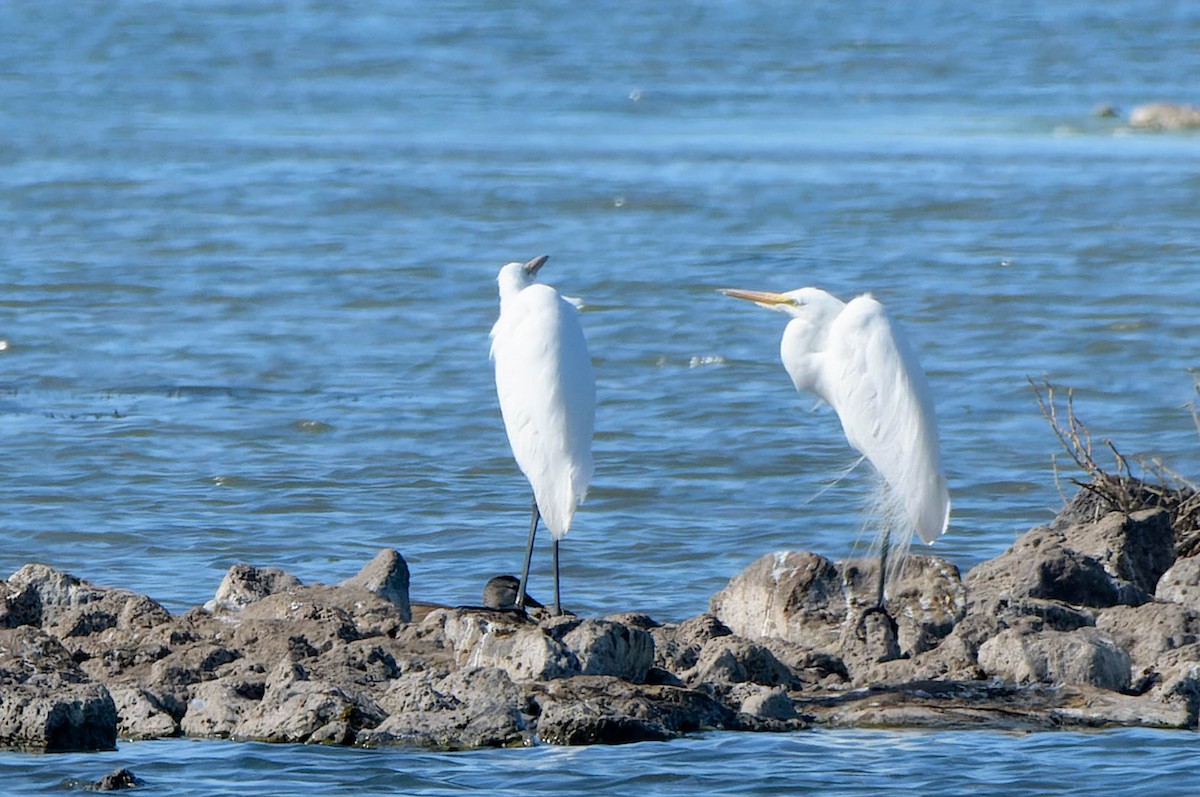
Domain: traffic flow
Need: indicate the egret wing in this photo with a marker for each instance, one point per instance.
(547, 397)
(882, 397)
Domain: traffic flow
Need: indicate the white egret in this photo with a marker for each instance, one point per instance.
(548, 400)
(851, 356)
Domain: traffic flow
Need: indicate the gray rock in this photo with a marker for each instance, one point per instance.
(46, 702)
(605, 647)
(141, 715)
(807, 600)
(1135, 549)
(732, 660)
(71, 607)
(468, 708)
(797, 596)
(215, 709)
(294, 710)
(1181, 583)
(677, 646)
(1115, 560)
(1148, 631)
(1084, 657)
(244, 584)
(56, 716)
(769, 704)
(52, 591)
(387, 576)
(521, 648)
(1040, 566)
(19, 605)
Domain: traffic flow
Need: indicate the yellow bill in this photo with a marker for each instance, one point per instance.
(763, 298)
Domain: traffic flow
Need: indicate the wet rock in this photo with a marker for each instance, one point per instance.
(468, 708)
(987, 704)
(118, 780)
(607, 710)
(1058, 631)
(387, 576)
(769, 704)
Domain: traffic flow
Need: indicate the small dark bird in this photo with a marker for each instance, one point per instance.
(501, 593)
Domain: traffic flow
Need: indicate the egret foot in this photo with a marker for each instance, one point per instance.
(878, 631)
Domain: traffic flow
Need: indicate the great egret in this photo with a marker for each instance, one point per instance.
(851, 356)
(548, 400)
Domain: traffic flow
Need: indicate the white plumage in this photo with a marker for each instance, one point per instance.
(855, 359)
(547, 394)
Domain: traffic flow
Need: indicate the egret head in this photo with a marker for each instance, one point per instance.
(810, 304)
(515, 277)
(812, 310)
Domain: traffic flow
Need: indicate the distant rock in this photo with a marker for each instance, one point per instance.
(1165, 116)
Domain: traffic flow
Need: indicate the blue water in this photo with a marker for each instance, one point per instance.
(247, 261)
(841, 764)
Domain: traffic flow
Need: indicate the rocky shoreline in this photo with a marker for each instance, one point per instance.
(1091, 621)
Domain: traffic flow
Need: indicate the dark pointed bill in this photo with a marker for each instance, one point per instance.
(764, 298)
(531, 268)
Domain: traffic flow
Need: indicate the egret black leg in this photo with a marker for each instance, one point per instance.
(529, 557)
(885, 545)
(881, 586)
(557, 602)
(890, 648)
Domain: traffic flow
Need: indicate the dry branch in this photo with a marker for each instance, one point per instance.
(1118, 488)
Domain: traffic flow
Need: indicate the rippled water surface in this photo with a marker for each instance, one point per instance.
(247, 260)
(841, 764)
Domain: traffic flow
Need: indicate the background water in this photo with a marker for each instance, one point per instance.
(247, 261)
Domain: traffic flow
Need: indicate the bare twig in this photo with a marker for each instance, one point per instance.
(1120, 489)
